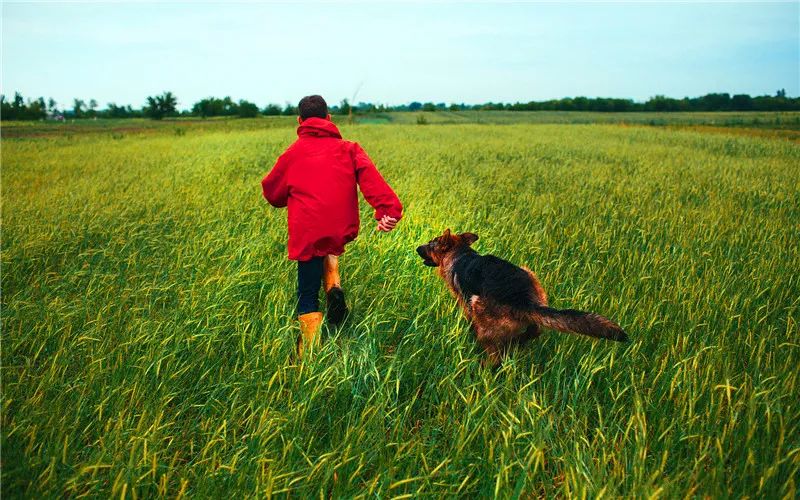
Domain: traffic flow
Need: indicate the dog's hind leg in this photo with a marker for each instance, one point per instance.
(494, 355)
(494, 331)
(531, 333)
(538, 289)
(533, 330)
(483, 325)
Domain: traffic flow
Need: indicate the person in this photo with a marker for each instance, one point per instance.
(316, 179)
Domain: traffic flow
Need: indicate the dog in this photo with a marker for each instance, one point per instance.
(505, 304)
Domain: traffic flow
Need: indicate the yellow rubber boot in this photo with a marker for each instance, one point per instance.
(310, 324)
(334, 295)
(330, 273)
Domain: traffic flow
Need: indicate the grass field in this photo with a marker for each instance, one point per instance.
(773, 124)
(147, 318)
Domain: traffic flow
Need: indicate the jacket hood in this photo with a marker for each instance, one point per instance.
(318, 127)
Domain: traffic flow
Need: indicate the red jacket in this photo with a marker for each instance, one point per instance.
(316, 178)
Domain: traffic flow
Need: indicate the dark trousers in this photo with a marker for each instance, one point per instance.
(309, 280)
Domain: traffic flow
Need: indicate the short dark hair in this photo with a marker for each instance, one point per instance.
(312, 105)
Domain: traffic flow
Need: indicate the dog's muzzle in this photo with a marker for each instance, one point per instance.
(421, 250)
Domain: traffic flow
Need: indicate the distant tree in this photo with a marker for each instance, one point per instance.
(289, 110)
(37, 109)
(366, 107)
(271, 110)
(52, 105)
(229, 107)
(566, 104)
(661, 103)
(213, 106)
(11, 110)
(715, 102)
(781, 93)
(203, 108)
(741, 102)
(77, 107)
(491, 106)
(92, 108)
(170, 102)
(6, 109)
(581, 103)
(158, 107)
(621, 105)
(415, 106)
(247, 109)
(19, 101)
(428, 106)
(19, 109)
(152, 108)
(114, 111)
(344, 107)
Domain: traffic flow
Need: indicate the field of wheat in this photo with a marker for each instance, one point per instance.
(148, 329)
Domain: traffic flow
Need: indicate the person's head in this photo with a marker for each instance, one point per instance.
(312, 106)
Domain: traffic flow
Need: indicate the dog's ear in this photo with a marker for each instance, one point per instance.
(446, 233)
(469, 238)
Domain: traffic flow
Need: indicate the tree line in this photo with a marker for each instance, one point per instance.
(155, 107)
(165, 105)
(658, 103)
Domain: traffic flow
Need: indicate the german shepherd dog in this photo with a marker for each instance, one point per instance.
(506, 304)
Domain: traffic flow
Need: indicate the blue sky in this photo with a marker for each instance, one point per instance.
(397, 52)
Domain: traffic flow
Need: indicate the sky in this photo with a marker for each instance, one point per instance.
(395, 53)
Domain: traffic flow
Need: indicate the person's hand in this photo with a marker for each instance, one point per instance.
(386, 223)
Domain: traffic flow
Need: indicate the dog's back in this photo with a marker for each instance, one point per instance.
(494, 278)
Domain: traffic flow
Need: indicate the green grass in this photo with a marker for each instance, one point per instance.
(147, 314)
(782, 124)
(789, 120)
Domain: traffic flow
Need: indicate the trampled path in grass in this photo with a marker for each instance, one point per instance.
(147, 313)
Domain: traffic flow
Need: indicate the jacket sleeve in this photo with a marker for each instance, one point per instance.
(275, 184)
(375, 190)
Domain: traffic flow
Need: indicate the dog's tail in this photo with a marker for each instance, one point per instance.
(572, 321)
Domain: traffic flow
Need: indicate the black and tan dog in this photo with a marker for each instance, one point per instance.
(506, 304)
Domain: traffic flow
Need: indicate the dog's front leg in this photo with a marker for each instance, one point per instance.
(466, 306)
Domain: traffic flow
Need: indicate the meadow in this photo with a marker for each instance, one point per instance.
(148, 329)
